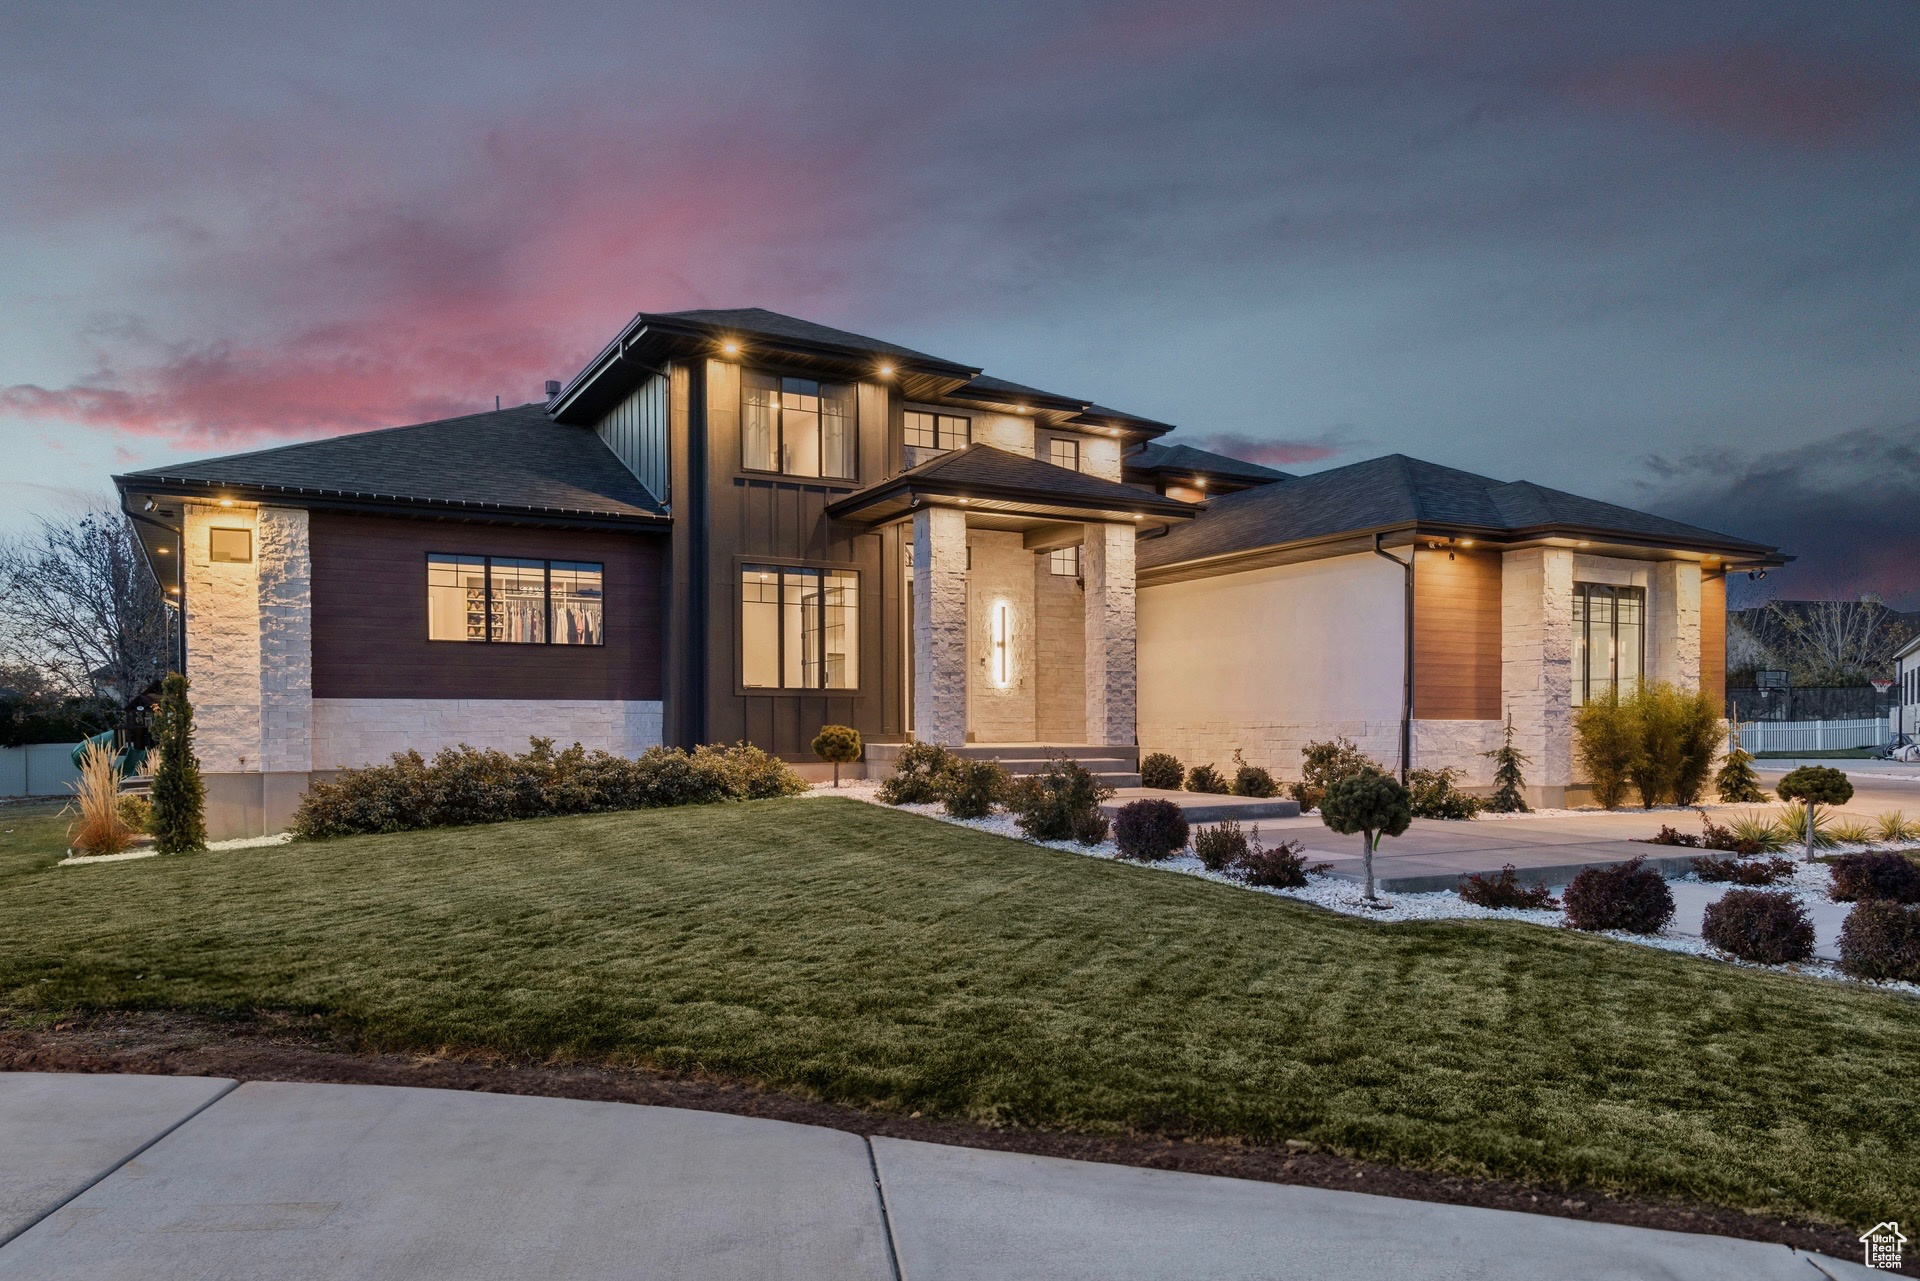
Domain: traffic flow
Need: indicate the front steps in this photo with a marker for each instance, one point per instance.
(1114, 766)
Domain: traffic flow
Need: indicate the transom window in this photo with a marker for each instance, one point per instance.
(1609, 640)
(799, 628)
(513, 601)
(1064, 453)
(938, 431)
(796, 426)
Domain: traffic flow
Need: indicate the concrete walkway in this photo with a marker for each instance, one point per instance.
(354, 1181)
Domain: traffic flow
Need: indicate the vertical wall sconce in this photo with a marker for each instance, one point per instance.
(1002, 656)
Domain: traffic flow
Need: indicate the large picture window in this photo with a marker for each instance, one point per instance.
(514, 601)
(799, 628)
(796, 426)
(1609, 640)
(938, 431)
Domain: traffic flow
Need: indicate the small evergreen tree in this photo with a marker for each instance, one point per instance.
(1509, 784)
(1373, 805)
(1814, 786)
(179, 797)
(1736, 781)
(839, 744)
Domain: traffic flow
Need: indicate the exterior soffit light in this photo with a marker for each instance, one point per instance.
(886, 371)
(731, 348)
(1583, 543)
(161, 551)
(1466, 542)
(226, 502)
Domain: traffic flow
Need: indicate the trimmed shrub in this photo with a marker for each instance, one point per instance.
(1673, 836)
(1860, 878)
(1220, 846)
(917, 775)
(1759, 872)
(1372, 805)
(1150, 830)
(970, 789)
(1714, 836)
(1060, 803)
(1509, 783)
(1736, 782)
(1628, 896)
(463, 786)
(839, 744)
(179, 795)
(1205, 778)
(1608, 747)
(1283, 867)
(136, 812)
(1165, 772)
(1251, 780)
(1435, 794)
(1881, 941)
(1765, 926)
(1505, 890)
(1324, 764)
(1812, 786)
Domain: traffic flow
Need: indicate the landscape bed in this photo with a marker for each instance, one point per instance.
(860, 955)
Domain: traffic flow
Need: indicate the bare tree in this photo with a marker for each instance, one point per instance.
(79, 603)
(1836, 642)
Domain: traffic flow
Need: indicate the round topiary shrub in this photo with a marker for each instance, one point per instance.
(1158, 769)
(1880, 941)
(1150, 830)
(1858, 878)
(839, 745)
(1205, 778)
(1765, 926)
(919, 775)
(1628, 896)
(1251, 780)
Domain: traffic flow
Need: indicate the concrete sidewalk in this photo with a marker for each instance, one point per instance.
(350, 1181)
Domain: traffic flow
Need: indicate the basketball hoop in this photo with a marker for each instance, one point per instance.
(1881, 686)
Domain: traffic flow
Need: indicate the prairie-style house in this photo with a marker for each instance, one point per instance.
(740, 525)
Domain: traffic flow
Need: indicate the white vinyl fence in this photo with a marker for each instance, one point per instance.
(38, 769)
(1812, 736)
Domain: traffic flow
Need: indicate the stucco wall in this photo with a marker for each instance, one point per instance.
(1267, 660)
(1002, 573)
(367, 731)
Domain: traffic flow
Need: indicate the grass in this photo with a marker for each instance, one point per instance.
(1825, 754)
(867, 956)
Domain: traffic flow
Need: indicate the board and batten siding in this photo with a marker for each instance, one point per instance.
(370, 614)
(636, 432)
(1456, 636)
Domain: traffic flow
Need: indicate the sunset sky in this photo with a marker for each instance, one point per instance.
(1663, 254)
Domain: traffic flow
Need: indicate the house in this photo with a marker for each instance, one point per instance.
(741, 525)
(1906, 689)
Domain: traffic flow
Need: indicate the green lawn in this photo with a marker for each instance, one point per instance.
(864, 955)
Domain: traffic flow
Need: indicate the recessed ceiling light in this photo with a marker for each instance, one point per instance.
(226, 502)
(731, 348)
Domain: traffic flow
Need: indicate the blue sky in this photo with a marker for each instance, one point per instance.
(1660, 254)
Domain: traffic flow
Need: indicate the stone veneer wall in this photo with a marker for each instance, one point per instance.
(940, 626)
(1536, 664)
(1002, 571)
(350, 732)
(1060, 688)
(1111, 639)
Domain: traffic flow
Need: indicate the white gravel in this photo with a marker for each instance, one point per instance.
(1809, 884)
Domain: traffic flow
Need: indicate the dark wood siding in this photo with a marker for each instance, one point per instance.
(1713, 636)
(1456, 636)
(370, 614)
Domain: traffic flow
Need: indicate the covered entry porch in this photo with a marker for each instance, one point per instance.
(1019, 598)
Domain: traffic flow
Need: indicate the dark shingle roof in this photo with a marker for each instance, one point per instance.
(1186, 460)
(509, 459)
(758, 320)
(984, 471)
(1398, 491)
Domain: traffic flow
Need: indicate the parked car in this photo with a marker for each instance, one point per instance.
(1891, 749)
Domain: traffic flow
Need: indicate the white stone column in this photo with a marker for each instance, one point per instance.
(1673, 640)
(1536, 664)
(223, 640)
(1106, 562)
(940, 626)
(286, 640)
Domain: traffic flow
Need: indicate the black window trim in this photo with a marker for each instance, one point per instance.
(486, 600)
(1582, 593)
(781, 564)
(779, 451)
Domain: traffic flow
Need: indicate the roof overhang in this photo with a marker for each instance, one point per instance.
(650, 342)
(896, 499)
(1722, 556)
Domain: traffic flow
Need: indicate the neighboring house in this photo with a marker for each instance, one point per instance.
(740, 525)
(1906, 689)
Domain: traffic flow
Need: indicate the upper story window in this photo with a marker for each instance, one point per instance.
(796, 426)
(799, 628)
(515, 601)
(938, 431)
(1609, 640)
(1064, 453)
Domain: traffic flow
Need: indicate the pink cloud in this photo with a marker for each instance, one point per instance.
(1762, 92)
(1273, 453)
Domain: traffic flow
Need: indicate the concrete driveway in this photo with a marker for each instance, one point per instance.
(166, 1179)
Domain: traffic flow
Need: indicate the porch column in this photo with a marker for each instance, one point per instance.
(940, 626)
(1536, 665)
(1106, 562)
(1674, 628)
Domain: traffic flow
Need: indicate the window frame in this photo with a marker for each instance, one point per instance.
(1582, 690)
(940, 418)
(1071, 442)
(488, 597)
(778, 426)
(1072, 553)
(781, 567)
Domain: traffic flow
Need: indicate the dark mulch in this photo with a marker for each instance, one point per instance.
(275, 1047)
